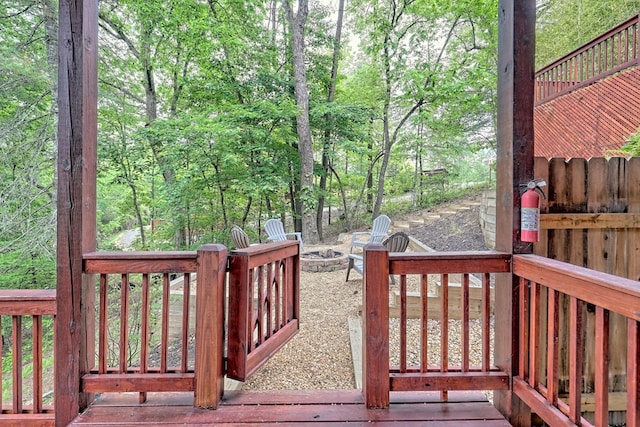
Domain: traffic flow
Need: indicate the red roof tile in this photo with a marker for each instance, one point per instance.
(591, 120)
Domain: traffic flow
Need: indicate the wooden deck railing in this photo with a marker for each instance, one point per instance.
(378, 378)
(264, 304)
(134, 347)
(544, 283)
(613, 51)
(23, 307)
(263, 280)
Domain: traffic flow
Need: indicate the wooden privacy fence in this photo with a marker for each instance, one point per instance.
(591, 218)
(592, 213)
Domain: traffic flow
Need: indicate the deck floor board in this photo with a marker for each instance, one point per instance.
(293, 408)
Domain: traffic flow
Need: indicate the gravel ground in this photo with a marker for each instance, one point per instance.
(319, 356)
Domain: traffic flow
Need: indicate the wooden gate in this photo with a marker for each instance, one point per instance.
(263, 304)
(591, 218)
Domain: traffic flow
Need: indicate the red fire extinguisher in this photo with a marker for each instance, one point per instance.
(530, 212)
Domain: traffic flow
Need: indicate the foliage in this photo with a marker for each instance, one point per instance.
(439, 95)
(630, 149)
(564, 25)
(33, 271)
(197, 117)
(27, 142)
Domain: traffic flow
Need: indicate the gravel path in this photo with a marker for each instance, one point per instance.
(319, 356)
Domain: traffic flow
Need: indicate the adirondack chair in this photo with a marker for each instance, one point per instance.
(275, 232)
(239, 237)
(397, 242)
(378, 232)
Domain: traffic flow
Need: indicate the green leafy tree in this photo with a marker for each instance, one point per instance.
(28, 45)
(425, 54)
(565, 25)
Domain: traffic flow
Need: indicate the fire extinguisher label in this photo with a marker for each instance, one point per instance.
(530, 218)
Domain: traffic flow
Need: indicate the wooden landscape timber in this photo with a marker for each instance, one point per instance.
(434, 300)
(587, 221)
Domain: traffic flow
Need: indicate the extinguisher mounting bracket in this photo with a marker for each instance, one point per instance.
(534, 184)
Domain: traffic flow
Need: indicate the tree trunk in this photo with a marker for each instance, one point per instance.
(326, 146)
(297, 25)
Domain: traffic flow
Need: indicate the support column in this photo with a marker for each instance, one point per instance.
(516, 70)
(210, 321)
(76, 172)
(375, 327)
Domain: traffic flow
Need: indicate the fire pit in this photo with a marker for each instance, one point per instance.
(323, 260)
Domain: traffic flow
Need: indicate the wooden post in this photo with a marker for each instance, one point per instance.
(210, 291)
(516, 49)
(375, 327)
(76, 168)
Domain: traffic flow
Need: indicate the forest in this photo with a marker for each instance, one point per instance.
(218, 113)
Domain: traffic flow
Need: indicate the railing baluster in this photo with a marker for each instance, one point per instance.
(534, 335)
(464, 301)
(36, 343)
(635, 43)
(444, 328)
(620, 40)
(102, 326)
(164, 339)
(144, 330)
(486, 322)
(268, 296)
(16, 352)
(403, 323)
(602, 367)
(261, 286)
(277, 303)
(525, 358)
(633, 373)
(424, 319)
(186, 297)
(553, 320)
(124, 323)
(252, 310)
(575, 358)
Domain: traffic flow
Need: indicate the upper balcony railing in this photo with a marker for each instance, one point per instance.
(607, 54)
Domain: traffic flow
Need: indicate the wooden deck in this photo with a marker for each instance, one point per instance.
(293, 408)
